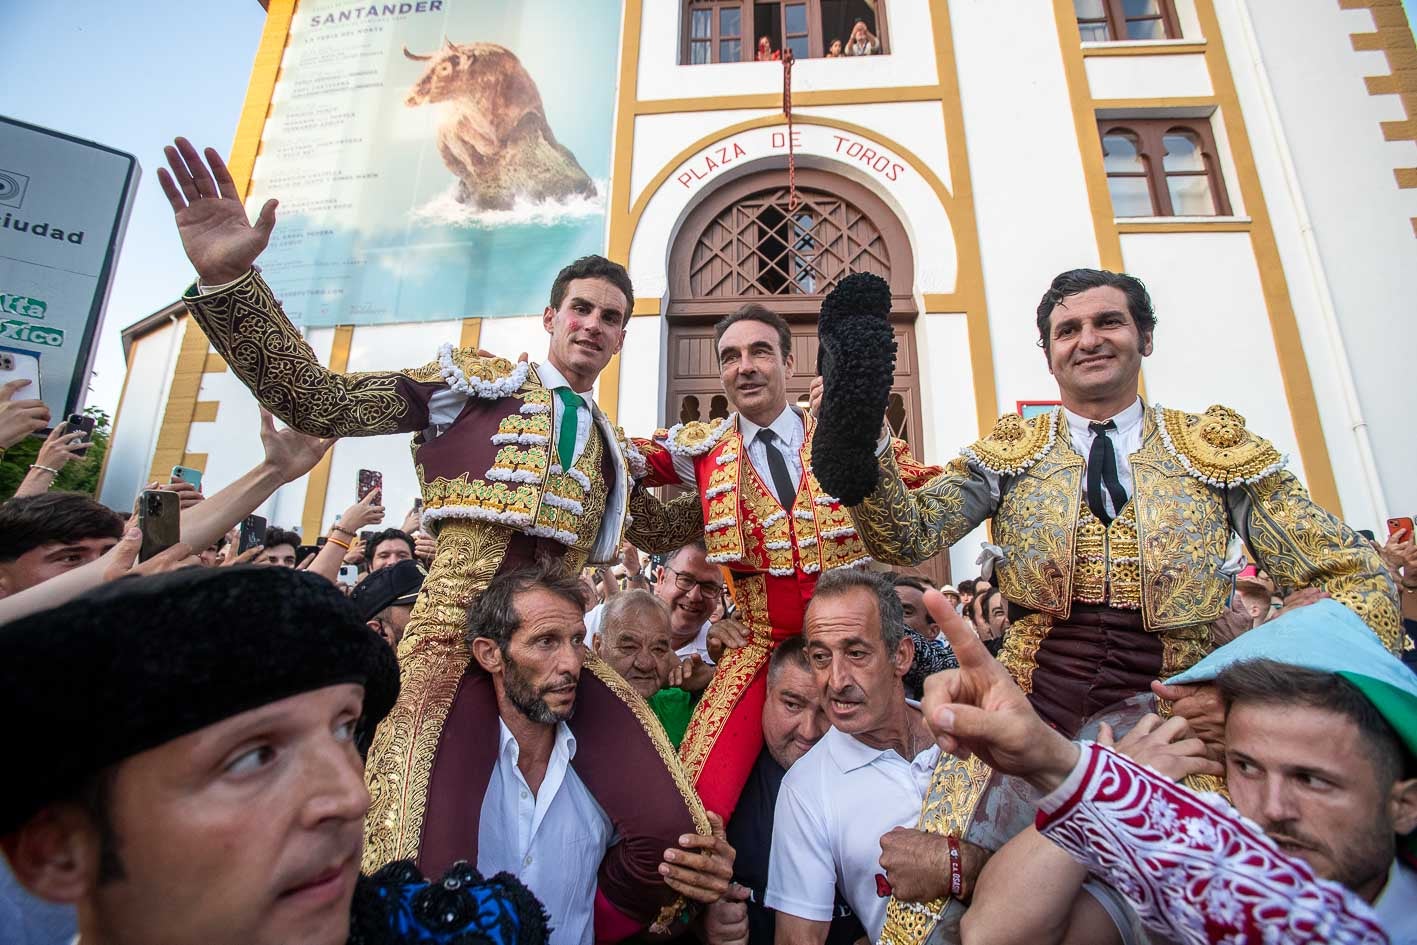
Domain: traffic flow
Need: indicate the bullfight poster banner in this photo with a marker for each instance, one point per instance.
(436, 159)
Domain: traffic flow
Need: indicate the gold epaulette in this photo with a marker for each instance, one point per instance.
(1216, 448)
(696, 437)
(464, 371)
(1014, 444)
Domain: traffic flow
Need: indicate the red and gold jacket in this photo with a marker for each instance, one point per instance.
(774, 556)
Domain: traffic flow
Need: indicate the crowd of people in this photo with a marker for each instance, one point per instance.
(555, 705)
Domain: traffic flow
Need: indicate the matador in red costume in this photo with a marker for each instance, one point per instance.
(767, 520)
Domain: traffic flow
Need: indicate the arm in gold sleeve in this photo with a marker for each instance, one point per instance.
(660, 527)
(905, 526)
(250, 331)
(1301, 545)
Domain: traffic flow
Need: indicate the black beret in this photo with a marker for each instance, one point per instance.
(397, 584)
(141, 661)
(856, 358)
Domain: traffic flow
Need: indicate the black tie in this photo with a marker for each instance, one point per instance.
(781, 478)
(1102, 471)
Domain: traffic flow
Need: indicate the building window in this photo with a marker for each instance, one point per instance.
(1106, 21)
(736, 30)
(1162, 167)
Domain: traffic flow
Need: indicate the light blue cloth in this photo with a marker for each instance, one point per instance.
(1327, 637)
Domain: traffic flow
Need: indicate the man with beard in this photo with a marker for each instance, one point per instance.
(1321, 737)
(534, 801)
(767, 520)
(190, 775)
(846, 811)
(516, 463)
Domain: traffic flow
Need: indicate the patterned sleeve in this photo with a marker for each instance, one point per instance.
(658, 527)
(246, 325)
(931, 656)
(905, 524)
(1191, 867)
(1302, 545)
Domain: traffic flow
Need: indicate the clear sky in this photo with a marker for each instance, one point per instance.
(131, 74)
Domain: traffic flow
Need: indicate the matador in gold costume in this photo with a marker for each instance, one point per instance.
(517, 465)
(1112, 521)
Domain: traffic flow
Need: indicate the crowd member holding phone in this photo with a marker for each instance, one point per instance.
(1400, 556)
(342, 539)
(61, 446)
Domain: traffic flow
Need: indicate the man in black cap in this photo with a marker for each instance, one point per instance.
(385, 598)
(188, 781)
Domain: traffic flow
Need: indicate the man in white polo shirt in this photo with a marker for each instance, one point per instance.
(846, 812)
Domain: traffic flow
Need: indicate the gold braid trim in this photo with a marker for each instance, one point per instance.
(1020, 651)
(660, 527)
(735, 672)
(432, 658)
(955, 789)
(246, 325)
(1015, 443)
(651, 724)
(1216, 448)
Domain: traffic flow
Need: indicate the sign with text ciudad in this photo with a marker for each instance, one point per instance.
(64, 203)
(435, 159)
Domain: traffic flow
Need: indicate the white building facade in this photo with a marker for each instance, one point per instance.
(1253, 161)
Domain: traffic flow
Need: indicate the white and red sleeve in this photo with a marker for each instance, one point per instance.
(1191, 866)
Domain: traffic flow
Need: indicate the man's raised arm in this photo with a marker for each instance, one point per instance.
(240, 315)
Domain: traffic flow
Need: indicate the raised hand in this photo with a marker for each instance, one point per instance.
(19, 418)
(1167, 747)
(291, 453)
(702, 867)
(211, 220)
(979, 709)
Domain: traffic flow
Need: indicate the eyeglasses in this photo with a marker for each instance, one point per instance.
(685, 583)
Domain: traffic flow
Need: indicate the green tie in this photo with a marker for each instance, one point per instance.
(566, 439)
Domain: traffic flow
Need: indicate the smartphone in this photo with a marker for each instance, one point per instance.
(320, 542)
(253, 533)
(186, 474)
(366, 536)
(305, 551)
(76, 423)
(418, 504)
(17, 364)
(1402, 524)
(159, 516)
(349, 574)
(369, 480)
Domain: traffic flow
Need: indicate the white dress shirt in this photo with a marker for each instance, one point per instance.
(1126, 440)
(553, 840)
(834, 806)
(1397, 904)
(790, 433)
(553, 379)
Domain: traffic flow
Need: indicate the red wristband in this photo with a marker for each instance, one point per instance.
(956, 870)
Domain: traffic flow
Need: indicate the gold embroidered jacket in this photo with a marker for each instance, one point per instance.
(490, 486)
(1198, 478)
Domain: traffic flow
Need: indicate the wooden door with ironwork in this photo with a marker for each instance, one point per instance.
(744, 244)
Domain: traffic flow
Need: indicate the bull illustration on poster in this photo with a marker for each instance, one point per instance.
(494, 136)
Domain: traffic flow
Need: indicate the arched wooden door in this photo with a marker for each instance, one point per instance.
(743, 244)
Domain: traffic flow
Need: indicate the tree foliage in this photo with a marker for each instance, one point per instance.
(81, 475)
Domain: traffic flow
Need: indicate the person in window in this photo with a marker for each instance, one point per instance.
(863, 42)
(834, 50)
(765, 51)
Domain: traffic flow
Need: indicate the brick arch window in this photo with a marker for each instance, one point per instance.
(1162, 167)
(1105, 21)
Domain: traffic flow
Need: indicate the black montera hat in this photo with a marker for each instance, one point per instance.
(397, 584)
(141, 661)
